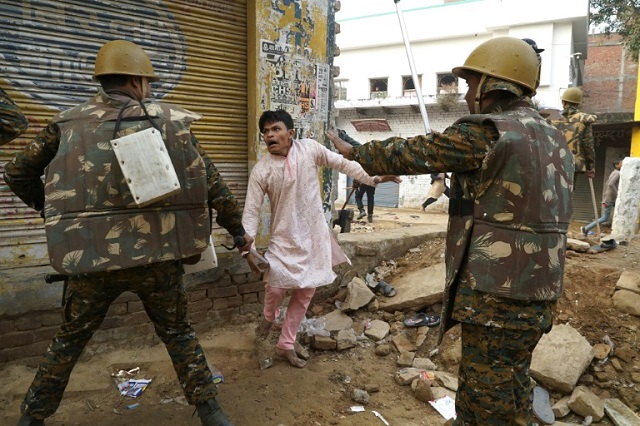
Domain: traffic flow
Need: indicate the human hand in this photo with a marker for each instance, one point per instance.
(591, 173)
(387, 178)
(246, 239)
(344, 148)
(253, 264)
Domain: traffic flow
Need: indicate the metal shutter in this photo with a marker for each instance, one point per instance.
(48, 47)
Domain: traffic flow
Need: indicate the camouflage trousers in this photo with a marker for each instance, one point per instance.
(161, 290)
(494, 386)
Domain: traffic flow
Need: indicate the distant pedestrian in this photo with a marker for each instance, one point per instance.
(608, 198)
(438, 187)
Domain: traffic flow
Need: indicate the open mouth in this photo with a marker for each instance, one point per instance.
(272, 143)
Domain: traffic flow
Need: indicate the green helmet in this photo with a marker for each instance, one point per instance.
(572, 95)
(505, 58)
(123, 57)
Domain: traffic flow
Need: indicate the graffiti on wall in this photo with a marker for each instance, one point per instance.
(48, 49)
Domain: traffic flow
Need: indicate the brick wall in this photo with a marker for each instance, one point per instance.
(610, 77)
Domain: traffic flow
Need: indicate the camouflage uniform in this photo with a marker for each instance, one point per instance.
(157, 281)
(12, 122)
(509, 211)
(577, 129)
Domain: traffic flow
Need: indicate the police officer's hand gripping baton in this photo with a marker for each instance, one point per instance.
(412, 65)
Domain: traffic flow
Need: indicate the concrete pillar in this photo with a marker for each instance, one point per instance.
(625, 215)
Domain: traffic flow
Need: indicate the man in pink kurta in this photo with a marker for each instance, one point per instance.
(302, 250)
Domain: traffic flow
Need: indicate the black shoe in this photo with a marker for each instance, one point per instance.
(370, 218)
(28, 421)
(585, 233)
(361, 215)
(211, 414)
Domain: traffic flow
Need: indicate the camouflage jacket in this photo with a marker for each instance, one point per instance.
(467, 149)
(12, 122)
(105, 229)
(577, 129)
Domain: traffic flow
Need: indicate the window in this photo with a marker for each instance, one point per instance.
(447, 83)
(378, 87)
(340, 90)
(408, 88)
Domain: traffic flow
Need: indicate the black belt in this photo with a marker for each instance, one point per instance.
(460, 207)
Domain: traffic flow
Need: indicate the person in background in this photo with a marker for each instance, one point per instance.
(302, 249)
(104, 243)
(538, 51)
(577, 129)
(438, 187)
(361, 188)
(508, 220)
(12, 122)
(608, 198)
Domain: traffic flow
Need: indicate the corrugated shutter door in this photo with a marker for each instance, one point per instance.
(387, 194)
(199, 50)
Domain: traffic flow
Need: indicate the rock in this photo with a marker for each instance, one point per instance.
(373, 306)
(358, 295)
(383, 350)
(346, 339)
(388, 316)
(336, 321)
(615, 363)
(627, 301)
(360, 396)
(586, 403)
(561, 408)
(577, 245)
(603, 376)
(396, 328)
(560, 358)
(416, 290)
(629, 280)
(405, 359)
(448, 380)
(370, 388)
(635, 377)
(422, 390)
(403, 344)
(405, 376)
(625, 353)
(439, 392)
(601, 350)
(323, 343)
(620, 414)
(358, 327)
(424, 364)
(377, 331)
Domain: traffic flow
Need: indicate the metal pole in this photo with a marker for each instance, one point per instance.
(412, 65)
(595, 208)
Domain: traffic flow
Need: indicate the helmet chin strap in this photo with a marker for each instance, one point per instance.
(476, 103)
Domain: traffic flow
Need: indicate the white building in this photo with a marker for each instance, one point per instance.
(375, 95)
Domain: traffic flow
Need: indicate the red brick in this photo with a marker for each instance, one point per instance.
(202, 305)
(30, 321)
(7, 326)
(220, 304)
(117, 309)
(35, 349)
(45, 333)
(198, 317)
(239, 278)
(52, 318)
(222, 292)
(135, 306)
(249, 298)
(234, 302)
(251, 287)
(12, 340)
(196, 295)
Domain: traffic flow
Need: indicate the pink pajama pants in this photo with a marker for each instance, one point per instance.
(298, 304)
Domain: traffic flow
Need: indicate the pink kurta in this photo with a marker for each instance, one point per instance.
(302, 250)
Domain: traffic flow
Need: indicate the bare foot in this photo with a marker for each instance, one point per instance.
(291, 356)
(263, 329)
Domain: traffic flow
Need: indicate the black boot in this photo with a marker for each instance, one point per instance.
(370, 218)
(211, 414)
(28, 421)
(361, 215)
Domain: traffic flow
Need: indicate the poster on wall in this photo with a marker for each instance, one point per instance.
(322, 88)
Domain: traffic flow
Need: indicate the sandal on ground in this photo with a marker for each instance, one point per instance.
(385, 289)
(542, 407)
(422, 319)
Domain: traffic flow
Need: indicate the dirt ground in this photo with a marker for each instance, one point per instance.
(320, 394)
